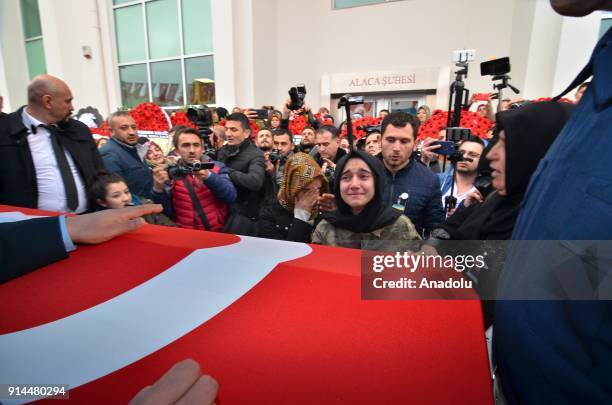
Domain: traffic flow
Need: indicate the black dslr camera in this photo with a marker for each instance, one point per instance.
(183, 168)
(297, 95)
(275, 156)
(202, 117)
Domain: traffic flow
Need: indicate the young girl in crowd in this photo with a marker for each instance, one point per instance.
(361, 214)
(109, 191)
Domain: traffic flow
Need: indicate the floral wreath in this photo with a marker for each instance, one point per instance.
(361, 122)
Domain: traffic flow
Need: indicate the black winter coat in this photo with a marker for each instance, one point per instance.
(18, 184)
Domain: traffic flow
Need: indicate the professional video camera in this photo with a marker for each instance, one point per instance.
(182, 167)
(202, 117)
(297, 95)
(499, 69)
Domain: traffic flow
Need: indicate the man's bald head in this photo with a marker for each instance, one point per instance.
(45, 84)
(50, 99)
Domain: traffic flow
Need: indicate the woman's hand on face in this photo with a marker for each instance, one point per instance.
(306, 199)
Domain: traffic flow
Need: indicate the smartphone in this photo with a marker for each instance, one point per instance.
(262, 113)
(481, 97)
(446, 147)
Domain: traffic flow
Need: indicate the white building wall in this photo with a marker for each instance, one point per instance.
(313, 40)
(263, 47)
(13, 55)
(67, 26)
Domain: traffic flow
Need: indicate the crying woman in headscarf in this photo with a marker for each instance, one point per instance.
(361, 217)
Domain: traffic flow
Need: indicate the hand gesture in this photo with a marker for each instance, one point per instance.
(306, 199)
(251, 114)
(101, 226)
(160, 177)
(472, 198)
(327, 202)
(202, 175)
(328, 163)
(428, 151)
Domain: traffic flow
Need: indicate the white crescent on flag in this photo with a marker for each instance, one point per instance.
(93, 343)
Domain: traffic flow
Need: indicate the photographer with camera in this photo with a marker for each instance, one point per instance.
(467, 170)
(196, 191)
(328, 150)
(246, 166)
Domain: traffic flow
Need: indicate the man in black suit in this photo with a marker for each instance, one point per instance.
(46, 158)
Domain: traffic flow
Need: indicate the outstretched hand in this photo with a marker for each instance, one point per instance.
(101, 226)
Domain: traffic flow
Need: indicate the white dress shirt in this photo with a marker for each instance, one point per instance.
(459, 197)
(51, 191)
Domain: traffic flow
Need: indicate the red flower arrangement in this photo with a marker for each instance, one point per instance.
(150, 117)
(180, 118)
(297, 124)
(323, 121)
(361, 122)
(254, 128)
(563, 100)
(103, 130)
(478, 124)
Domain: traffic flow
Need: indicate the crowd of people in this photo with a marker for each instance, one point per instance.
(389, 185)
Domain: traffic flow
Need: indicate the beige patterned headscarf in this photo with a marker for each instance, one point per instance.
(300, 170)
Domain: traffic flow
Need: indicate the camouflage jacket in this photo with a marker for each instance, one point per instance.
(400, 230)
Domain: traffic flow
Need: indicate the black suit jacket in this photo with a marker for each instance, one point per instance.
(17, 174)
(28, 245)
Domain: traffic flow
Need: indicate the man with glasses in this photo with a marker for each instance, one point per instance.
(466, 172)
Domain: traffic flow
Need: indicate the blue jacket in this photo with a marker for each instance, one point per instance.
(125, 161)
(558, 352)
(445, 179)
(424, 205)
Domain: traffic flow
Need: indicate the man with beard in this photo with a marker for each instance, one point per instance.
(265, 141)
(466, 172)
(48, 157)
(308, 140)
(123, 155)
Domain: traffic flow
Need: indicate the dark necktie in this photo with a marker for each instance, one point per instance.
(64, 167)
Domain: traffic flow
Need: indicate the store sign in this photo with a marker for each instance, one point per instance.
(414, 79)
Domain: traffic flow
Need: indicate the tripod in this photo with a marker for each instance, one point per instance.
(500, 86)
(458, 101)
(347, 101)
